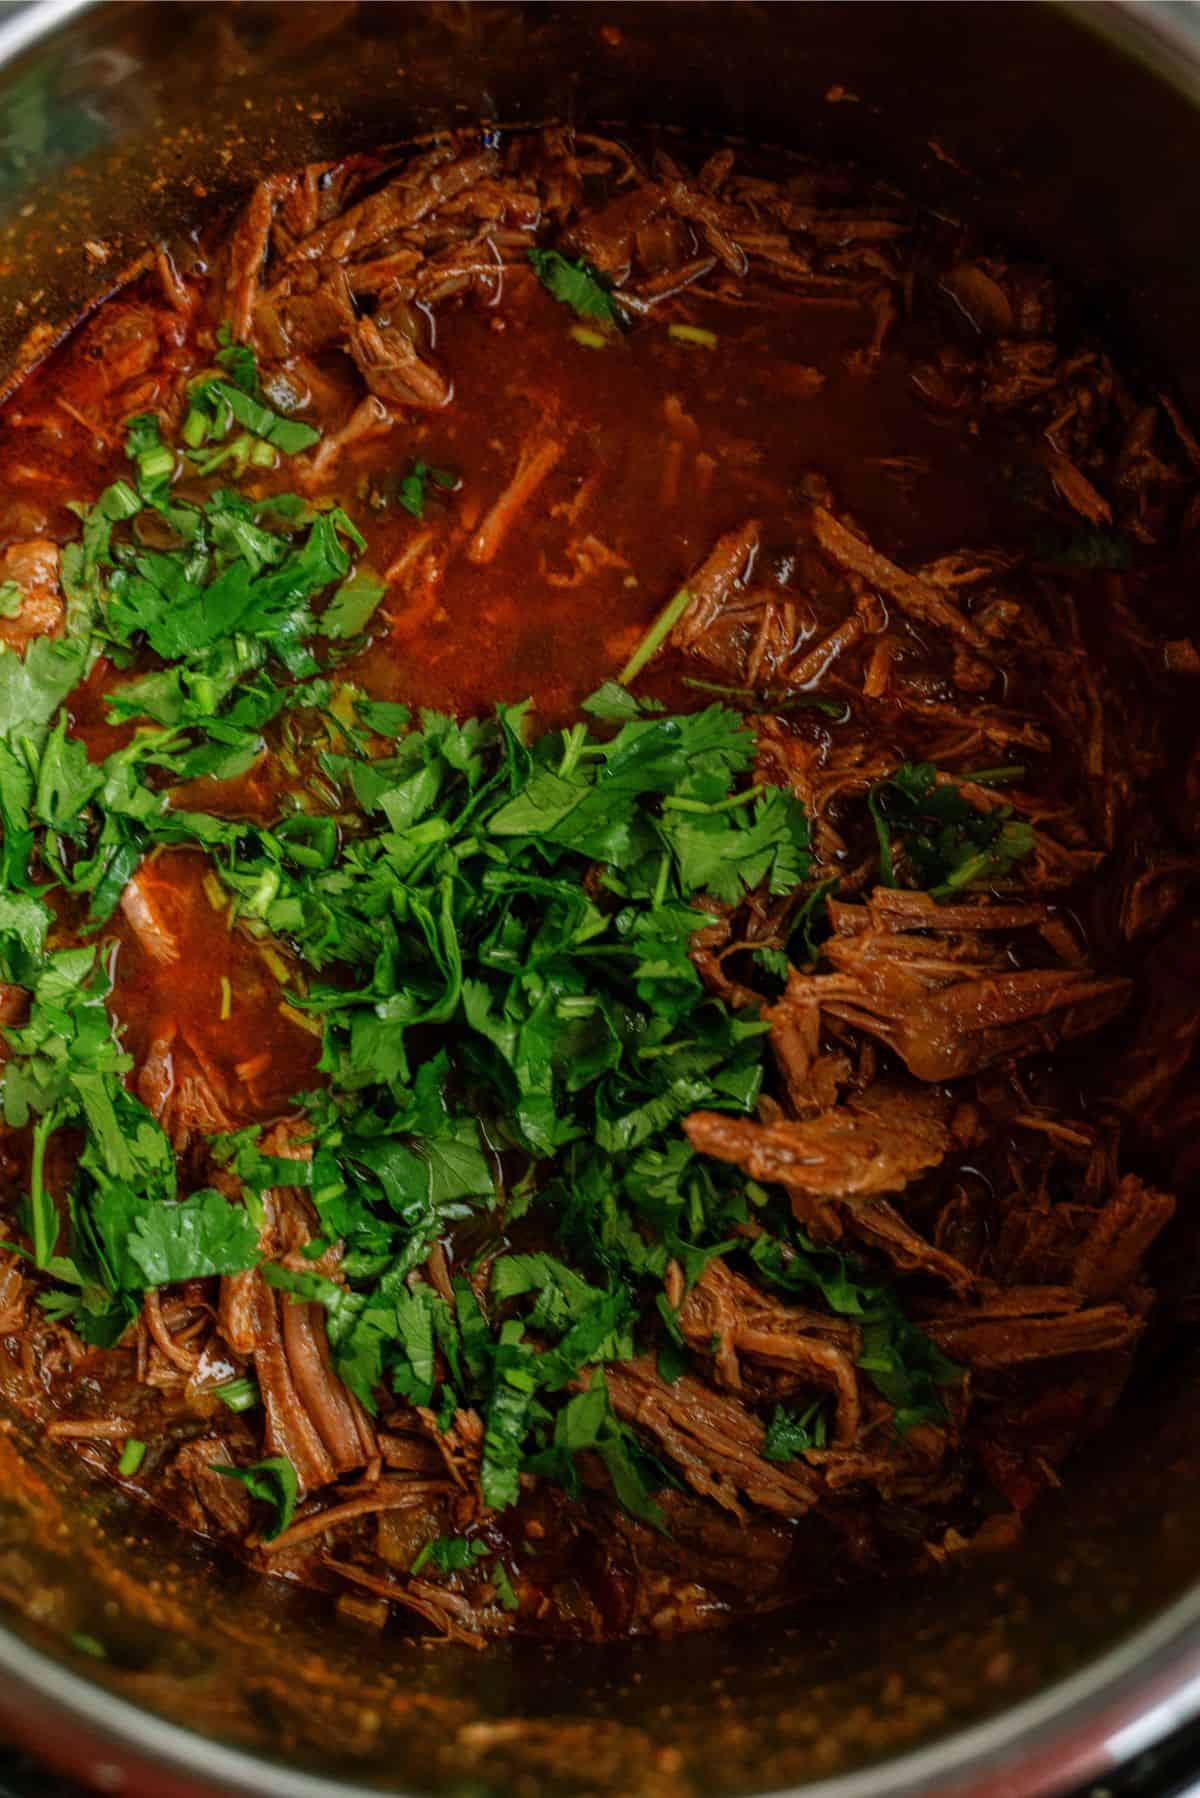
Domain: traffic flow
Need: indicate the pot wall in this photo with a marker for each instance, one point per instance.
(1057, 139)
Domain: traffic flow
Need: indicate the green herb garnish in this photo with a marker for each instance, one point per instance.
(576, 284)
(789, 1435)
(948, 844)
(411, 491)
(238, 1395)
(132, 1456)
(272, 1482)
(451, 1554)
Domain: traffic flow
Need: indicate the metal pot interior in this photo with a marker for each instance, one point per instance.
(128, 122)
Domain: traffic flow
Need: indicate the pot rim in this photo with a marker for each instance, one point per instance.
(1071, 1732)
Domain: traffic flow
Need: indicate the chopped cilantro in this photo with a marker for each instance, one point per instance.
(353, 605)
(788, 1435)
(132, 1456)
(411, 491)
(239, 362)
(576, 284)
(451, 1554)
(948, 844)
(489, 933)
(502, 1580)
(901, 1361)
(273, 1482)
(222, 405)
(238, 1395)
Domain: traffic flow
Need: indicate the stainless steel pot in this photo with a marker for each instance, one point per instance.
(1073, 129)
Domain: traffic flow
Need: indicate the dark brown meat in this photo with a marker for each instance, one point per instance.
(877, 1142)
(429, 182)
(725, 1316)
(713, 582)
(210, 1503)
(715, 1443)
(392, 369)
(920, 599)
(337, 1416)
(1111, 1256)
(989, 1343)
(289, 1430)
(950, 1005)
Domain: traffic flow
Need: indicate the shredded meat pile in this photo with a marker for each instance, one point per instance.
(978, 1098)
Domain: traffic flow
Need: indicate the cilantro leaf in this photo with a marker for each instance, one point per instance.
(451, 1554)
(411, 491)
(203, 1235)
(272, 1482)
(238, 360)
(789, 1435)
(353, 605)
(576, 284)
(948, 844)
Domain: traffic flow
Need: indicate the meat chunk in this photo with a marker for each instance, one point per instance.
(210, 1503)
(154, 910)
(726, 1316)
(393, 370)
(921, 599)
(875, 1143)
(992, 1343)
(951, 1003)
(715, 1442)
(710, 587)
(31, 602)
(429, 182)
(290, 1431)
(1112, 1253)
(812, 1077)
(184, 1089)
(336, 1415)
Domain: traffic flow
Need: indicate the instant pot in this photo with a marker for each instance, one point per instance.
(133, 1657)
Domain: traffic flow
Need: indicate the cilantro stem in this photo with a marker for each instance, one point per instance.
(983, 777)
(155, 465)
(963, 875)
(887, 866)
(573, 742)
(195, 428)
(132, 1456)
(656, 636)
(765, 700)
(676, 803)
(238, 1395)
(716, 686)
(660, 885)
(42, 1209)
(693, 334)
(805, 918)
